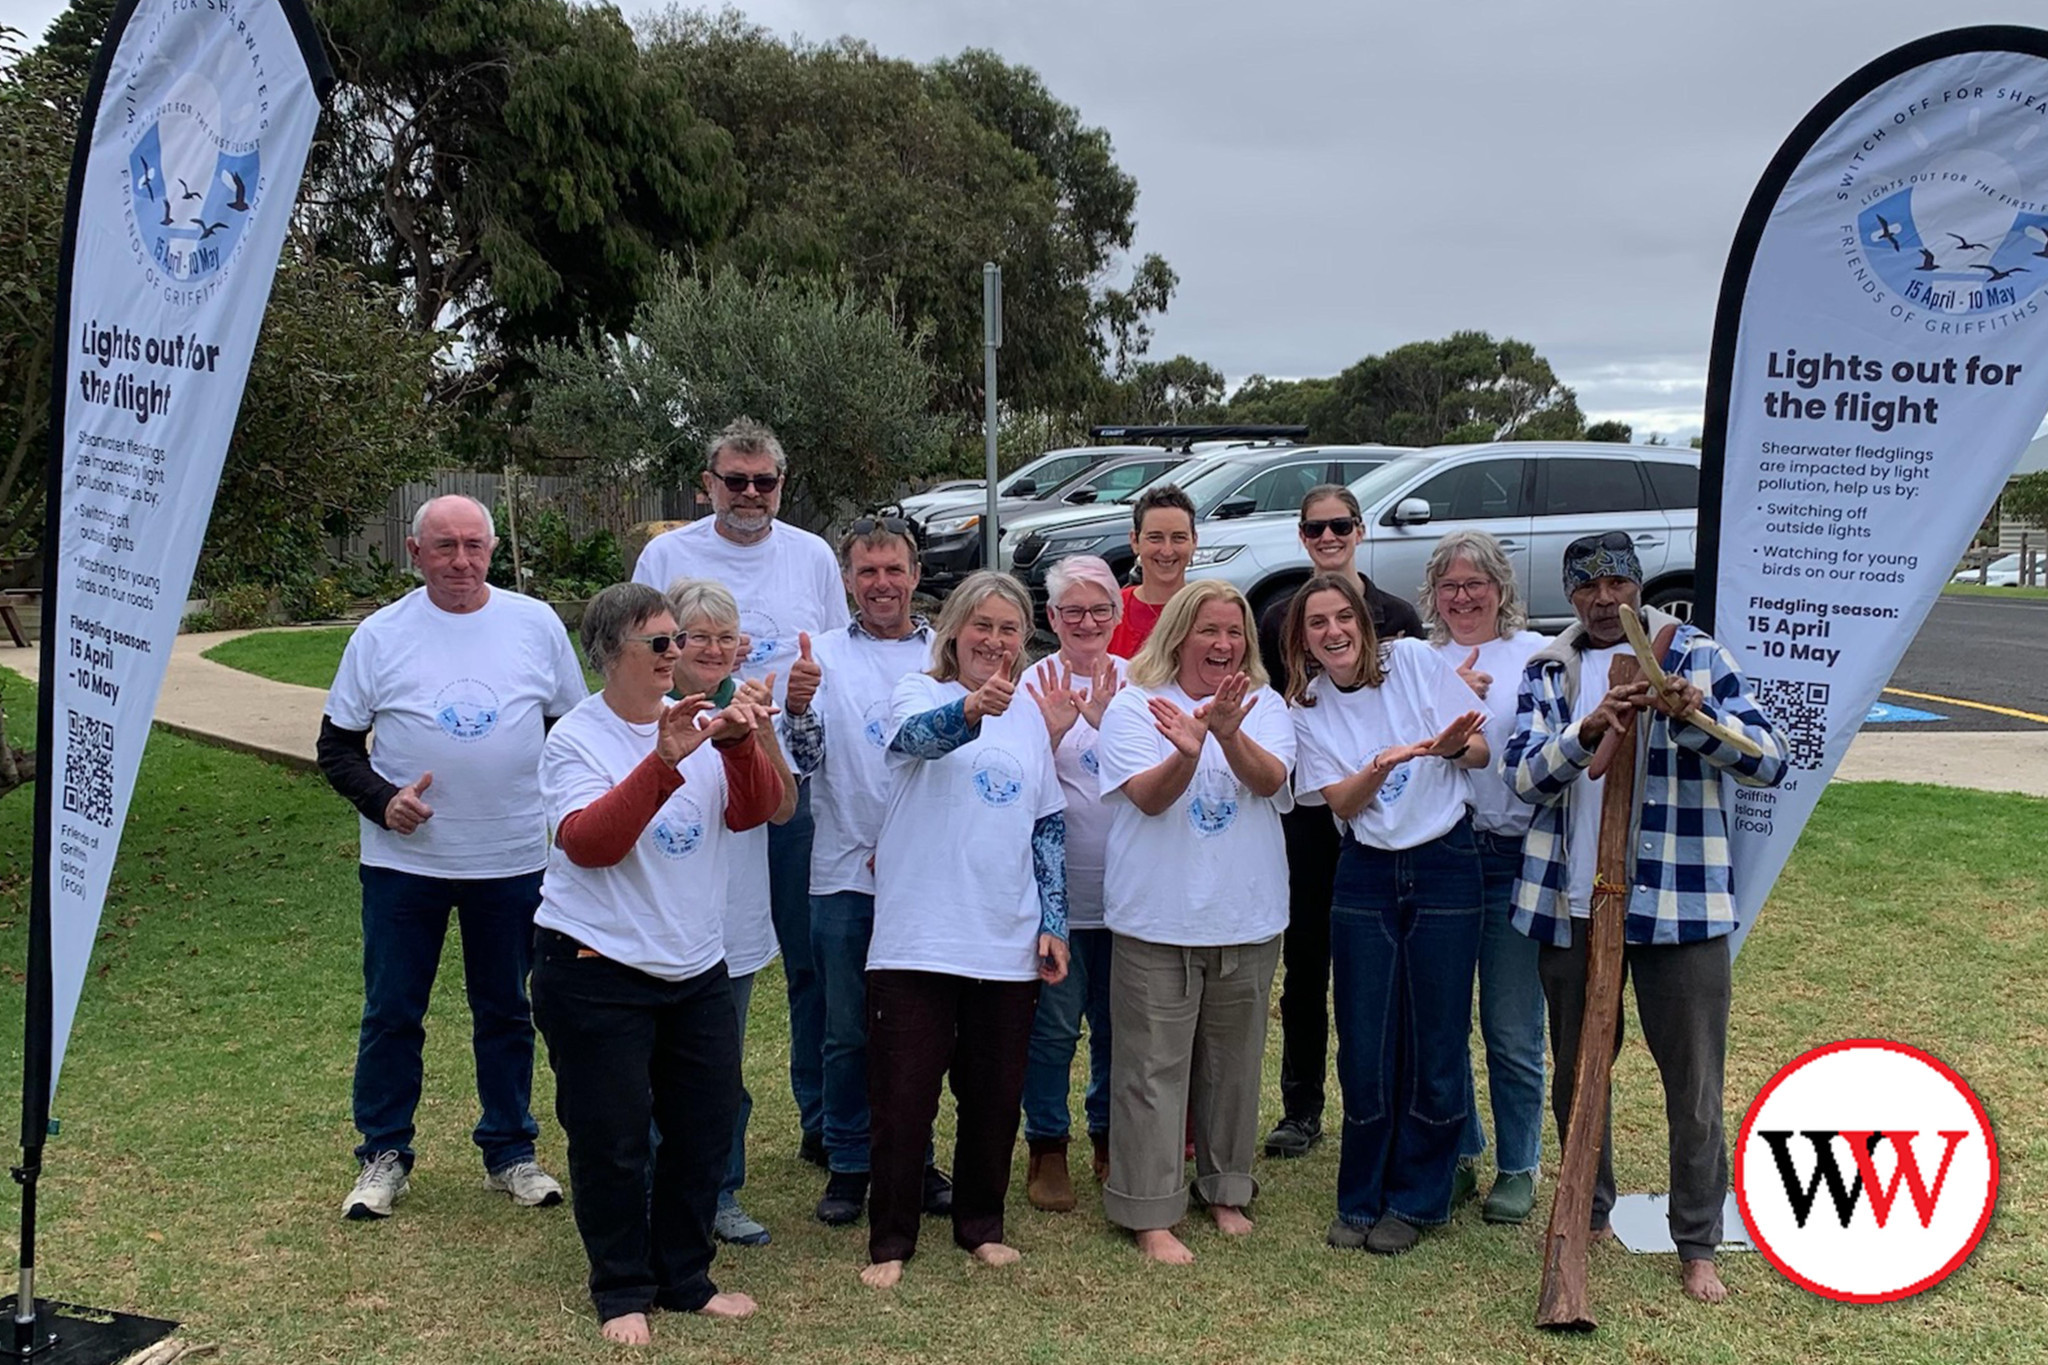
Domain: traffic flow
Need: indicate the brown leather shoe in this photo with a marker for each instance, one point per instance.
(1048, 1185)
(1101, 1141)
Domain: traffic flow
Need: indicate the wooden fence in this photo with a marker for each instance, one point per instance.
(587, 510)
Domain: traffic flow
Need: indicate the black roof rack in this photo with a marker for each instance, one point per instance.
(1187, 435)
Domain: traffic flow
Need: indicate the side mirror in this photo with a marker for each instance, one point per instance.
(1080, 497)
(1023, 488)
(1411, 512)
(1230, 509)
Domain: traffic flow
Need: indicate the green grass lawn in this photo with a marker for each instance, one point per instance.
(306, 657)
(1984, 590)
(206, 1136)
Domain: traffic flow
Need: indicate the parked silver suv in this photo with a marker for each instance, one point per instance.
(1535, 497)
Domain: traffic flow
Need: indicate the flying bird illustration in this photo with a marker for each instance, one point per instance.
(167, 211)
(1996, 274)
(148, 180)
(207, 229)
(189, 192)
(1926, 260)
(1966, 244)
(240, 203)
(1887, 232)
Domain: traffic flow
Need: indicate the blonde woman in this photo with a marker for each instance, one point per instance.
(1194, 755)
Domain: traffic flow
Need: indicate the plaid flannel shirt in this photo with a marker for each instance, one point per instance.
(1681, 883)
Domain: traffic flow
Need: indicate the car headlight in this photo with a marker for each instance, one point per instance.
(1078, 545)
(951, 526)
(1214, 554)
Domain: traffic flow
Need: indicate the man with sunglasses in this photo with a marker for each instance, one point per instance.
(787, 583)
(461, 681)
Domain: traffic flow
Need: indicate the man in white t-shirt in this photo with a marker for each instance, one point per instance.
(786, 581)
(460, 681)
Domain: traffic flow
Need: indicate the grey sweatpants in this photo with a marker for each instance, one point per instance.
(1682, 998)
(1187, 1040)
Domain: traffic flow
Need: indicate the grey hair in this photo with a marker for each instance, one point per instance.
(611, 616)
(690, 598)
(1486, 556)
(961, 603)
(419, 516)
(1070, 572)
(745, 436)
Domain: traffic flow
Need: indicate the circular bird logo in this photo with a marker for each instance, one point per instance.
(1213, 802)
(998, 777)
(679, 831)
(466, 710)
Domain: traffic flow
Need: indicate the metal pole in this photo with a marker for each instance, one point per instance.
(991, 340)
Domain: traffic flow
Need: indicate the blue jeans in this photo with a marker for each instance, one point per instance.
(736, 1166)
(842, 922)
(1510, 1021)
(789, 904)
(405, 919)
(1057, 1030)
(1404, 941)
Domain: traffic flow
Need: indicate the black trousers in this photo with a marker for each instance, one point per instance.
(625, 1048)
(1682, 999)
(921, 1026)
(1312, 845)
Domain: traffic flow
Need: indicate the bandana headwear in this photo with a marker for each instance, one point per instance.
(1612, 555)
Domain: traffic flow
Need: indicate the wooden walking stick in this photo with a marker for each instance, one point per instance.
(1562, 1303)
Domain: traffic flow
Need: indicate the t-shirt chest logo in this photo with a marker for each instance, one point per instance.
(1212, 802)
(466, 710)
(679, 831)
(764, 637)
(1090, 764)
(998, 777)
(874, 727)
(1396, 783)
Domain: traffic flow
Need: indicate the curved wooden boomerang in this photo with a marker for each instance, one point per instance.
(1646, 654)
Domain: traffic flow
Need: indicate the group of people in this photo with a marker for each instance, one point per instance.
(964, 857)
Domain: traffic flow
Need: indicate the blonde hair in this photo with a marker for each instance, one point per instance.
(980, 585)
(1157, 663)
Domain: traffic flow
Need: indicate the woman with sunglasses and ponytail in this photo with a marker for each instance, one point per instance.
(1383, 734)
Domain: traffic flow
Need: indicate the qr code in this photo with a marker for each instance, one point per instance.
(89, 769)
(1801, 711)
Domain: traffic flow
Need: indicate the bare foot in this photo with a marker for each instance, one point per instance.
(995, 1253)
(628, 1329)
(882, 1274)
(729, 1306)
(1600, 1235)
(1229, 1221)
(1159, 1244)
(1702, 1281)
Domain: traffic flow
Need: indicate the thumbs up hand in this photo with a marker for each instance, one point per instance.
(406, 812)
(804, 677)
(1469, 671)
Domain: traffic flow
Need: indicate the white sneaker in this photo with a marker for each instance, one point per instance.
(529, 1185)
(381, 1184)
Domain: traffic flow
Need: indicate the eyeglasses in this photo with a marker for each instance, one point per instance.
(867, 526)
(656, 644)
(697, 639)
(1468, 587)
(739, 483)
(1343, 526)
(1100, 613)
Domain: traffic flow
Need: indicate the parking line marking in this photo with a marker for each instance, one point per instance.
(1975, 705)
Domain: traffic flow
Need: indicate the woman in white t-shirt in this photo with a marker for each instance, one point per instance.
(1194, 754)
(1072, 689)
(1475, 621)
(970, 916)
(1386, 732)
(709, 620)
(629, 983)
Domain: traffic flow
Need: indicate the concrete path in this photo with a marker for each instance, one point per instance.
(280, 722)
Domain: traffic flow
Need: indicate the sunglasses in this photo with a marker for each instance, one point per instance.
(1613, 540)
(1343, 526)
(739, 483)
(867, 526)
(656, 644)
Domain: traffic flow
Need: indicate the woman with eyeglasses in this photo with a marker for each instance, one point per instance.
(970, 916)
(1385, 734)
(1194, 753)
(1331, 529)
(630, 989)
(1072, 688)
(709, 621)
(1477, 625)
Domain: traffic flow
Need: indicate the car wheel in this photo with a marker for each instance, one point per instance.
(1673, 599)
(1268, 593)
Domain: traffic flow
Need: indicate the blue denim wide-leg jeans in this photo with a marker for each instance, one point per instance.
(789, 904)
(1056, 1032)
(1510, 1021)
(1404, 942)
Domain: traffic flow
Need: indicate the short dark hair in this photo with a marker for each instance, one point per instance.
(1165, 495)
(612, 615)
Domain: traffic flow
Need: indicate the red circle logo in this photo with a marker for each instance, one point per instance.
(1866, 1171)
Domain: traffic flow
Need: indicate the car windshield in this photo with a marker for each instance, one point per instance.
(1057, 466)
(1387, 478)
(1205, 488)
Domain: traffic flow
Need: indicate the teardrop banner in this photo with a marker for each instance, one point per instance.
(194, 135)
(1880, 362)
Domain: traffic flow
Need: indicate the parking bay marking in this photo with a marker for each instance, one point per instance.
(2034, 716)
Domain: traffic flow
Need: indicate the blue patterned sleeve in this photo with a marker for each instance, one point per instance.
(804, 737)
(935, 733)
(1049, 866)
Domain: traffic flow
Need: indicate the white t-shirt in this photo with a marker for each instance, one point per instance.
(1582, 847)
(1088, 819)
(786, 583)
(749, 921)
(1212, 869)
(661, 908)
(1422, 799)
(461, 696)
(851, 788)
(1495, 807)
(955, 891)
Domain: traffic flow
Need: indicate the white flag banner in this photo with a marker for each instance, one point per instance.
(194, 137)
(1880, 363)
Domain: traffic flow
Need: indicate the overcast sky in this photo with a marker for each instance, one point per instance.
(1332, 178)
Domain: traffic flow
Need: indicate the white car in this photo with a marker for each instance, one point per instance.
(2005, 572)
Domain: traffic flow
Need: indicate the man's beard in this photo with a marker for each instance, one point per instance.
(746, 522)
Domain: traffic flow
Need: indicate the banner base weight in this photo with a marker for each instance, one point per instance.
(71, 1334)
